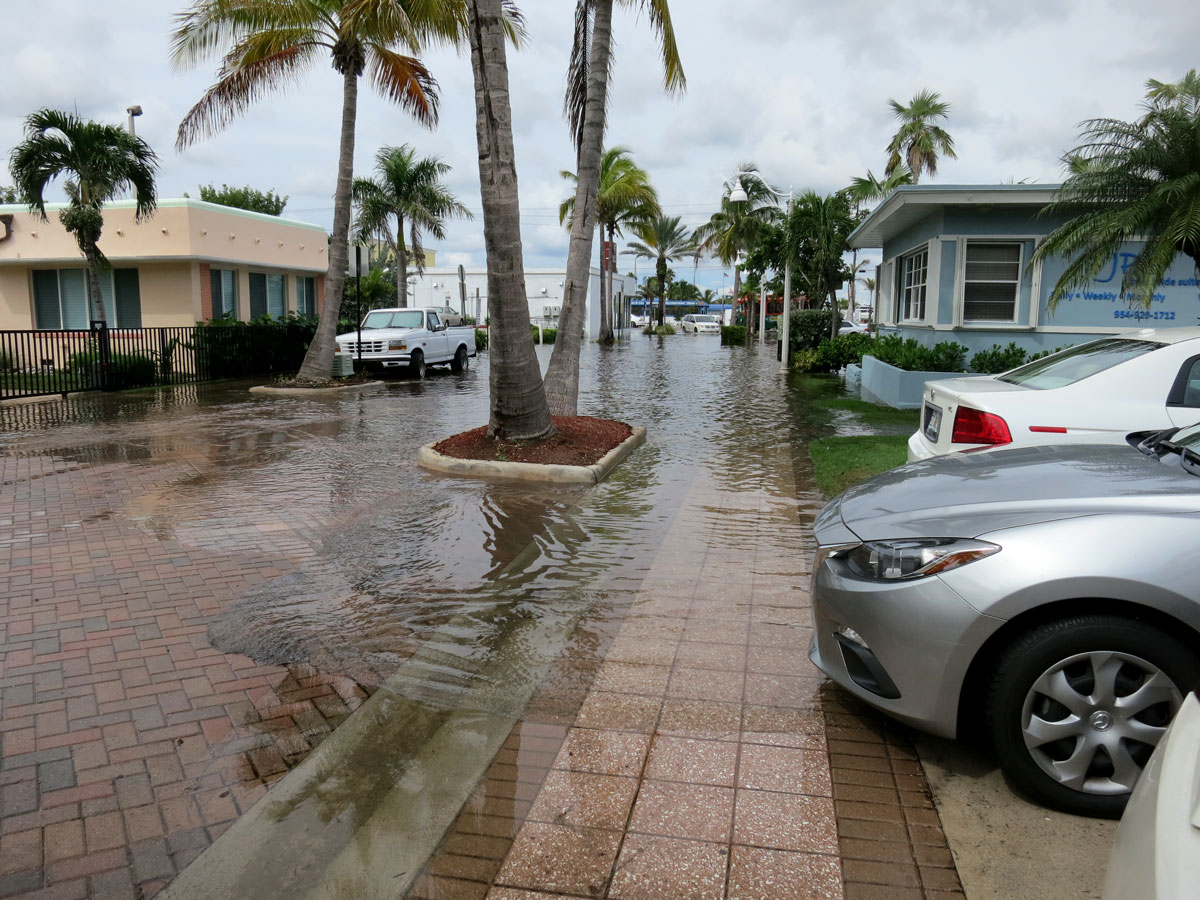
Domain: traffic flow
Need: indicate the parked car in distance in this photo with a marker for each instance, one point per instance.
(1043, 597)
(1098, 392)
(448, 315)
(1156, 853)
(700, 324)
(848, 327)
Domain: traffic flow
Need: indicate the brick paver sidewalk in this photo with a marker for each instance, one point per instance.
(127, 742)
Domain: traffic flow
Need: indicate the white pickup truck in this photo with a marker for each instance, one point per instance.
(411, 339)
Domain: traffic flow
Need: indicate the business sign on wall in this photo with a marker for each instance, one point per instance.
(1176, 301)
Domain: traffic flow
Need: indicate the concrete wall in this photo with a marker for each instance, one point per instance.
(884, 383)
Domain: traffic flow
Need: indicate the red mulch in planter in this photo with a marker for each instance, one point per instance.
(580, 441)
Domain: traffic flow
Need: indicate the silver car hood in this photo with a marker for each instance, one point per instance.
(969, 494)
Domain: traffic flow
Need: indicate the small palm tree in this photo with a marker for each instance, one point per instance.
(409, 190)
(98, 163)
(736, 227)
(586, 108)
(663, 240)
(271, 43)
(868, 282)
(919, 139)
(1131, 181)
(873, 190)
(626, 197)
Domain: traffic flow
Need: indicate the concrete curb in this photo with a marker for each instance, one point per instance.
(313, 392)
(428, 458)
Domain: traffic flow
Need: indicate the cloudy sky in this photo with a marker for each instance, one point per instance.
(801, 88)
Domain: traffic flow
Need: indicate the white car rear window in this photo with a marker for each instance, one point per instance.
(408, 318)
(1069, 366)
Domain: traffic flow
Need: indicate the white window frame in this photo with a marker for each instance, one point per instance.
(963, 282)
(904, 286)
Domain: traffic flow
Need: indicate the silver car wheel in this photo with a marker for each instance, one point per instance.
(1089, 720)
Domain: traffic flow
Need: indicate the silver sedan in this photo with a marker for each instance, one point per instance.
(1045, 597)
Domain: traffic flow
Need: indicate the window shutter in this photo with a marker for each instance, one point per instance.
(127, 288)
(75, 311)
(229, 293)
(46, 313)
(276, 297)
(258, 295)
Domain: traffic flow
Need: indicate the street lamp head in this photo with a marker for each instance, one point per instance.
(134, 110)
(737, 194)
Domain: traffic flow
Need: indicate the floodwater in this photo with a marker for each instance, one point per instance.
(398, 557)
(450, 594)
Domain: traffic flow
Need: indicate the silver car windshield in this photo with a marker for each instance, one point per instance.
(1076, 364)
(708, 319)
(383, 318)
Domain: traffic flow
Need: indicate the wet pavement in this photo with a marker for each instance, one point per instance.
(202, 585)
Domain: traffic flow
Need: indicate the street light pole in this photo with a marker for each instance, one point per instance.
(134, 111)
(738, 195)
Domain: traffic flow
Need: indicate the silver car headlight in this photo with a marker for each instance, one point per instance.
(914, 558)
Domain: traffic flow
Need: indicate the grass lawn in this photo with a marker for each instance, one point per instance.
(874, 413)
(840, 462)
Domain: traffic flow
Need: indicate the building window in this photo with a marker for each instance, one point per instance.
(60, 299)
(306, 295)
(224, 293)
(914, 271)
(268, 296)
(990, 281)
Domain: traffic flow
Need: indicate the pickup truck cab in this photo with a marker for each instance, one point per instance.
(409, 339)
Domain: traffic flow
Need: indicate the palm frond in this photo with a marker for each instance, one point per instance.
(404, 80)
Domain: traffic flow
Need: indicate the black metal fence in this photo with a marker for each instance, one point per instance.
(34, 363)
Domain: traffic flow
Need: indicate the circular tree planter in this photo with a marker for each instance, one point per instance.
(429, 457)
(313, 391)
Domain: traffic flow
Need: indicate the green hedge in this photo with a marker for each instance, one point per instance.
(1001, 359)
(481, 339)
(733, 334)
(659, 329)
(125, 370)
(548, 334)
(230, 349)
(809, 328)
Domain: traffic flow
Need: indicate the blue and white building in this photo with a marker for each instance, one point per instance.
(957, 266)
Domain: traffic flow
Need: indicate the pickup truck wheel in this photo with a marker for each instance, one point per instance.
(416, 365)
(461, 361)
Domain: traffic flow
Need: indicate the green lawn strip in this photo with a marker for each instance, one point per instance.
(874, 413)
(840, 462)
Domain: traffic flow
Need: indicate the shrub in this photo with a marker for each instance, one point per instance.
(125, 370)
(481, 339)
(1045, 353)
(733, 334)
(548, 334)
(230, 349)
(804, 360)
(997, 359)
(913, 356)
(841, 351)
(809, 327)
(468, 320)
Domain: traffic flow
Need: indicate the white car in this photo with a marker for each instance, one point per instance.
(1156, 854)
(1098, 392)
(700, 324)
(848, 327)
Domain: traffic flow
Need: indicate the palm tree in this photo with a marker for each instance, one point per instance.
(271, 43)
(410, 190)
(868, 282)
(919, 140)
(586, 105)
(625, 197)
(519, 409)
(872, 190)
(736, 227)
(663, 239)
(1131, 181)
(98, 162)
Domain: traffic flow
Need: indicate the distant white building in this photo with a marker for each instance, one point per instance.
(439, 286)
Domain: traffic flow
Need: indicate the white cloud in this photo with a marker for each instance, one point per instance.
(801, 88)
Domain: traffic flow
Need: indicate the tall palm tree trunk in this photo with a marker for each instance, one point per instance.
(562, 375)
(519, 410)
(95, 295)
(401, 265)
(606, 280)
(661, 271)
(318, 361)
(608, 324)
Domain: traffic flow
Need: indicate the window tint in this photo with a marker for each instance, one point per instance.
(1076, 364)
(434, 322)
(405, 318)
(1191, 385)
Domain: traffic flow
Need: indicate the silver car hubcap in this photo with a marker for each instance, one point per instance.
(1091, 721)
